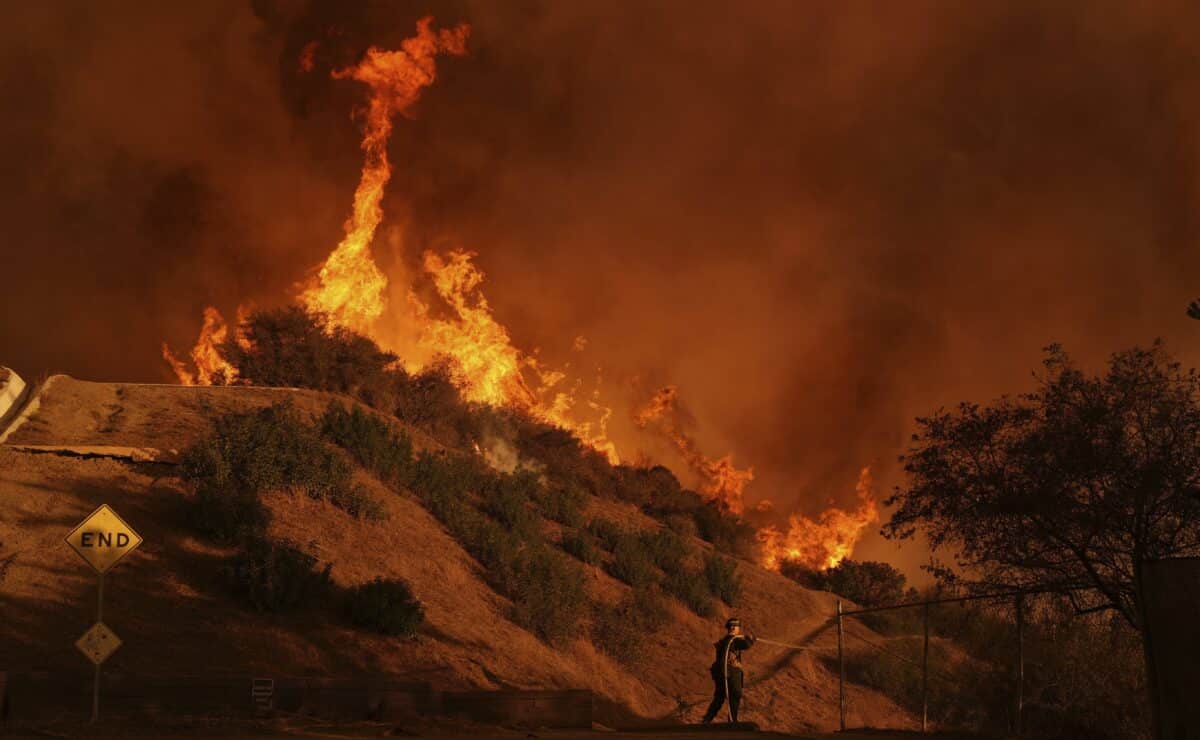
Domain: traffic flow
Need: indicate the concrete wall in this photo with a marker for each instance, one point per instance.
(39, 696)
(11, 390)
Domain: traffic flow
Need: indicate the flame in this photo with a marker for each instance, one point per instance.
(824, 542)
(720, 479)
(488, 367)
(211, 367)
(350, 286)
(351, 291)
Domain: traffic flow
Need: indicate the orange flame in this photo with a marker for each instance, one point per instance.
(489, 369)
(824, 542)
(350, 290)
(211, 367)
(720, 479)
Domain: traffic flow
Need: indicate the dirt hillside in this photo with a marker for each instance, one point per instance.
(82, 444)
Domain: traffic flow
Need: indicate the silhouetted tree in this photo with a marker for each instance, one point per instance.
(1194, 309)
(1072, 485)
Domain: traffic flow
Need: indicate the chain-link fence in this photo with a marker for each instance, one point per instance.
(1000, 662)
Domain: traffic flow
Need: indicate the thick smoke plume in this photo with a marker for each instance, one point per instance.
(817, 220)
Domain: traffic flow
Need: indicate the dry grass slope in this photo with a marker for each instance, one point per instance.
(168, 604)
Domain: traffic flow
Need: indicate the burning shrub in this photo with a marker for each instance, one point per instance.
(294, 348)
(722, 577)
(548, 594)
(370, 441)
(620, 630)
(691, 588)
(385, 606)
(582, 545)
(275, 576)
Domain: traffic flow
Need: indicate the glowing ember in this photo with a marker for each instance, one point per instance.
(824, 542)
(720, 479)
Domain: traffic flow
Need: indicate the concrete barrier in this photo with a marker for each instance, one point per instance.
(45, 696)
(12, 388)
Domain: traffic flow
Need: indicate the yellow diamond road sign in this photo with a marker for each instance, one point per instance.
(103, 538)
(98, 643)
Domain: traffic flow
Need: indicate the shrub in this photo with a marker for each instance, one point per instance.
(385, 606)
(548, 595)
(666, 549)
(564, 505)
(225, 512)
(867, 583)
(631, 562)
(370, 441)
(507, 499)
(725, 531)
(607, 532)
(682, 525)
(255, 451)
(691, 588)
(291, 347)
(357, 501)
(582, 545)
(723, 579)
(274, 576)
(621, 630)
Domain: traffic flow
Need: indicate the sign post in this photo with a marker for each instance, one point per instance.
(102, 540)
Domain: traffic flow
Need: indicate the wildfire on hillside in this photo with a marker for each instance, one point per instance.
(823, 542)
(351, 291)
(720, 479)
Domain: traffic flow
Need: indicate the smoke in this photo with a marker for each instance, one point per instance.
(817, 221)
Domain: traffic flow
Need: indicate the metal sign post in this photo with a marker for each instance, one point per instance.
(102, 540)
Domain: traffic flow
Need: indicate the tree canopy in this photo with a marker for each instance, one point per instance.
(1072, 485)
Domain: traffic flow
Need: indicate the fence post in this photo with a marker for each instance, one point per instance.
(925, 676)
(841, 672)
(1020, 599)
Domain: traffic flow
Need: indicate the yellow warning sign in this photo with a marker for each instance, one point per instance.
(98, 643)
(103, 539)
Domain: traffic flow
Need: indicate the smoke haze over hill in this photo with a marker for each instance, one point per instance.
(816, 221)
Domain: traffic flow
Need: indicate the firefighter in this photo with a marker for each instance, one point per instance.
(726, 670)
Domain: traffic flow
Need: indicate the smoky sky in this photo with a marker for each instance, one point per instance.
(818, 220)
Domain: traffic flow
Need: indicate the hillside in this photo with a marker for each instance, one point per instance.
(80, 444)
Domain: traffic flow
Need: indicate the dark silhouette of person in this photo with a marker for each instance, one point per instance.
(726, 670)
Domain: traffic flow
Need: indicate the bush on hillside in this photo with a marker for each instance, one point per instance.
(726, 532)
(866, 583)
(275, 576)
(548, 594)
(370, 441)
(386, 606)
(723, 579)
(294, 348)
(620, 630)
(682, 525)
(255, 451)
(691, 588)
(561, 504)
(606, 531)
(666, 549)
(507, 498)
(582, 545)
(632, 562)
